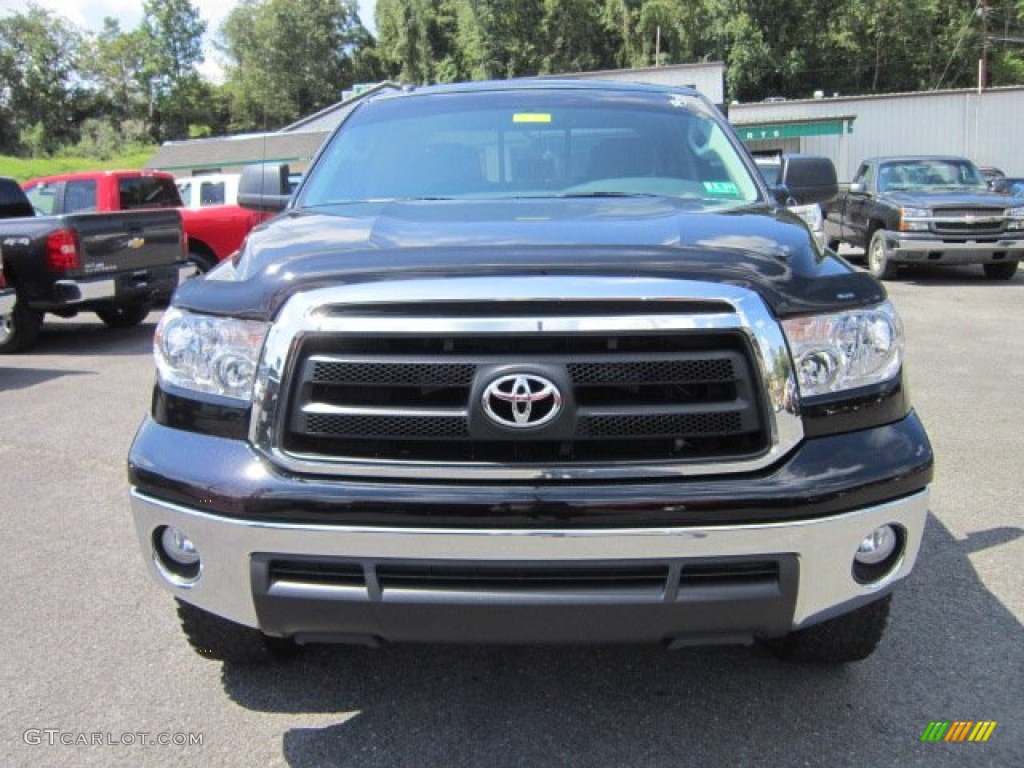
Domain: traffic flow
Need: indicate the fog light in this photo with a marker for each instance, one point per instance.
(177, 557)
(877, 546)
(179, 547)
(879, 554)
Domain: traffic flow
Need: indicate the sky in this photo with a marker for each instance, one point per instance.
(89, 14)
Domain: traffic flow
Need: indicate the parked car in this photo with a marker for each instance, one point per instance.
(213, 232)
(208, 190)
(114, 264)
(927, 210)
(991, 175)
(770, 167)
(1009, 186)
(532, 361)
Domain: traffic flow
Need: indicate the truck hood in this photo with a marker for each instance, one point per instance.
(765, 249)
(918, 199)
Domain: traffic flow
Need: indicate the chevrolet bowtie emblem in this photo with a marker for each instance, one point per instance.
(136, 242)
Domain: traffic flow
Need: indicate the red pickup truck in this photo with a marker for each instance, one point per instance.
(213, 232)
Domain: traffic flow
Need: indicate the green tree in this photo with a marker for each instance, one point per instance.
(170, 73)
(114, 66)
(575, 39)
(40, 94)
(287, 58)
(416, 40)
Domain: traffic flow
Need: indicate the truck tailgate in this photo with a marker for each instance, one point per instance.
(127, 240)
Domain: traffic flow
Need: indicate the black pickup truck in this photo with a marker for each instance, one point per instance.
(927, 210)
(526, 362)
(114, 264)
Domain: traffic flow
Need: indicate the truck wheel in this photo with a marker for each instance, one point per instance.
(213, 637)
(127, 316)
(850, 637)
(1003, 270)
(833, 245)
(878, 257)
(20, 329)
(202, 262)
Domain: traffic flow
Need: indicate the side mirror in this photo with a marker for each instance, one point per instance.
(858, 188)
(808, 179)
(264, 187)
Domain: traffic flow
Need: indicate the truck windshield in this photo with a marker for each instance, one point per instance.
(532, 144)
(932, 175)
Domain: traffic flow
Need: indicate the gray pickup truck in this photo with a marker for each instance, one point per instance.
(927, 210)
(114, 264)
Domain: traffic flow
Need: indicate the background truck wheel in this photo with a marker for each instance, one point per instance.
(20, 329)
(833, 245)
(1003, 270)
(127, 316)
(878, 257)
(202, 262)
(221, 640)
(850, 637)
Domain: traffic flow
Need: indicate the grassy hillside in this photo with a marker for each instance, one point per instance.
(23, 169)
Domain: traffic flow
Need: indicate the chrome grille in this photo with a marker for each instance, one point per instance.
(641, 397)
(638, 347)
(969, 221)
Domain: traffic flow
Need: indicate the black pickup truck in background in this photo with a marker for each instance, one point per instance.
(927, 210)
(114, 264)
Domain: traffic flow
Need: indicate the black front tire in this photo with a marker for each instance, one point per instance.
(219, 639)
(879, 264)
(202, 262)
(127, 316)
(833, 245)
(20, 329)
(851, 637)
(1003, 270)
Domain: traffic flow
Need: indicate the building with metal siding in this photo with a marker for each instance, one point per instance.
(984, 127)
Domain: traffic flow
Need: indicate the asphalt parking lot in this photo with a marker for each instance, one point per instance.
(91, 645)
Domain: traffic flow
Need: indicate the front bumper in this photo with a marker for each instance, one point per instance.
(925, 249)
(237, 580)
(311, 557)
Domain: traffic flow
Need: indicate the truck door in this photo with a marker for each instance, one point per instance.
(858, 205)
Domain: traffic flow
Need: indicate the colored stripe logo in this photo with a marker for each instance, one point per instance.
(958, 730)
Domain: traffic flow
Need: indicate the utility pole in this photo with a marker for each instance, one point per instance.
(983, 61)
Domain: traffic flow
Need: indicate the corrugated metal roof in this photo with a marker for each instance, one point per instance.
(233, 152)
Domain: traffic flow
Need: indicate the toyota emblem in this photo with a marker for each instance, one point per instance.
(522, 401)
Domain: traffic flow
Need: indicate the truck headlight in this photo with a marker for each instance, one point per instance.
(1015, 218)
(914, 219)
(845, 350)
(205, 353)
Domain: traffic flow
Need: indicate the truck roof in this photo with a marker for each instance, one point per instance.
(127, 173)
(536, 84)
(915, 158)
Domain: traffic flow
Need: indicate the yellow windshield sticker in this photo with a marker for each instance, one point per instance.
(531, 117)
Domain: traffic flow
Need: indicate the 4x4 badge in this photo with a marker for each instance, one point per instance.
(521, 401)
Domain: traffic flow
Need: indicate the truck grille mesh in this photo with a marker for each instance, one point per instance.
(969, 221)
(642, 397)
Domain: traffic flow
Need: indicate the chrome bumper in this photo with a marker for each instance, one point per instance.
(7, 301)
(94, 290)
(823, 548)
(924, 251)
